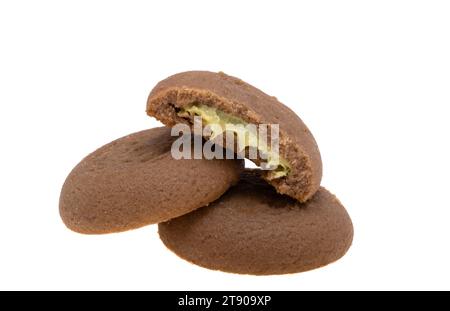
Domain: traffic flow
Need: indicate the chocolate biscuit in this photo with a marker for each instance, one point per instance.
(135, 181)
(180, 97)
(253, 230)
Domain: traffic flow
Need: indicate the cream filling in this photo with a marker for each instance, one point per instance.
(219, 122)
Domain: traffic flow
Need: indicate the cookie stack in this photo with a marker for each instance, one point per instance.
(213, 212)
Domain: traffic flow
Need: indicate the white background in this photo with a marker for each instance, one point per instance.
(370, 78)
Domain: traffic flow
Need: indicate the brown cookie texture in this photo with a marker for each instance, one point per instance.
(134, 181)
(238, 98)
(253, 230)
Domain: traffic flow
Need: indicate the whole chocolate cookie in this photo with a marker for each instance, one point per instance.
(219, 98)
(135, 181)
(253, 230)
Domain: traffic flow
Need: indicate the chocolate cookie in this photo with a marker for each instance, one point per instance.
(135, 181)
(217, 97)
(253, 230)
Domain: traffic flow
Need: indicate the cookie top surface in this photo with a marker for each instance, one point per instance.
(134, 181)
(253, 230)
(238, 98)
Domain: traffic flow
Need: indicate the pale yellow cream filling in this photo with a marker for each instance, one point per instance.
(219, 121)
